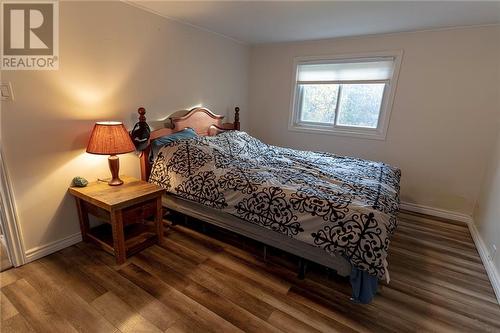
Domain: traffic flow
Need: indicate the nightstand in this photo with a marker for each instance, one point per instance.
(125, 211)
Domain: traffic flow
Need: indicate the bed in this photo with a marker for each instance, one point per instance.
(333, 210)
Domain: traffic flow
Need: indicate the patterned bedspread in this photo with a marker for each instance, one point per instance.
(342, 204)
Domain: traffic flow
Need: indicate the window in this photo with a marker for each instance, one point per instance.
(346, 96)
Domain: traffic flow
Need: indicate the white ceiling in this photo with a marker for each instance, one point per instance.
(278, 21)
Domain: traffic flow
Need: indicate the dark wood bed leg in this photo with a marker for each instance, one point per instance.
(237, 118)
(265, 253)
(302, 269)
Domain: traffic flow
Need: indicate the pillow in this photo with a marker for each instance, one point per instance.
(157, 144)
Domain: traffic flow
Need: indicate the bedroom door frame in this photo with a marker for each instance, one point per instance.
(9, 218)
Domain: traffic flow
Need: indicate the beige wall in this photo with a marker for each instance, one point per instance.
(487, 212)
(441, 129)
(113, 58)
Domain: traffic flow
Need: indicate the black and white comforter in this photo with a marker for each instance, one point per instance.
(342, 204)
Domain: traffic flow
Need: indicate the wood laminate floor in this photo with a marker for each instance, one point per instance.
(195, 283)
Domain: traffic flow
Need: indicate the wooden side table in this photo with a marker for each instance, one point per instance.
(124, 209)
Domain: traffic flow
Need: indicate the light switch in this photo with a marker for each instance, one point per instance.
(6, 90)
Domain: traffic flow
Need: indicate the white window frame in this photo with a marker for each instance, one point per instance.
(378, 133)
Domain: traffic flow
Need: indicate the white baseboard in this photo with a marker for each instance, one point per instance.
(44, 250)
(492, 271)
(437, 212)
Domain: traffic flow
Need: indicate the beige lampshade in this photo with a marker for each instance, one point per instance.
(109, 138)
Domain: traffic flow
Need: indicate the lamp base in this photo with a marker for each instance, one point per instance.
(114, 167)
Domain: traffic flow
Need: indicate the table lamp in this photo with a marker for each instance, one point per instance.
(110, 138)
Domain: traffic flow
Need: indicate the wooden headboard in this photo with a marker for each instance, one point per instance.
(202, 120)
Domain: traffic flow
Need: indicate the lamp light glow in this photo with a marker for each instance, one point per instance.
(110, 138)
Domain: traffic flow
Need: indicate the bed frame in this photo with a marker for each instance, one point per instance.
(205, 122)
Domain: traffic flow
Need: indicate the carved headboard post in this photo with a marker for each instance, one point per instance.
(142, 112)
(237, 118)
(145, 166)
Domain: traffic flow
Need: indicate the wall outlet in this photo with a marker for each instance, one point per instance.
(493, 251)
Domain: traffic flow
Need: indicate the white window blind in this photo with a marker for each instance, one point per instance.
(375, 70)
(346, 96)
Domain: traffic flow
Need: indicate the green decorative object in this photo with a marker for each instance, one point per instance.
(80, 182)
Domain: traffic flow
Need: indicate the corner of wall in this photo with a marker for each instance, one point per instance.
(492, 271)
